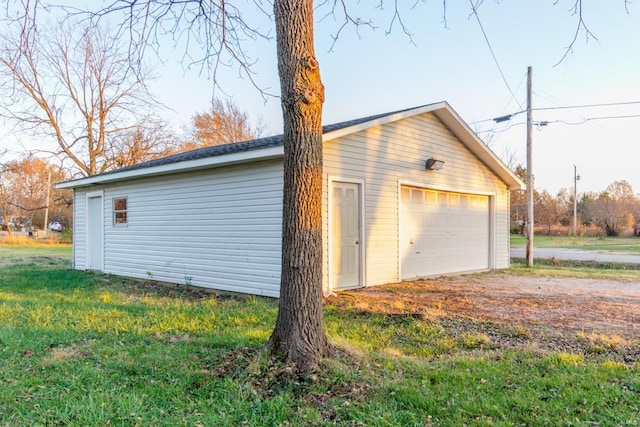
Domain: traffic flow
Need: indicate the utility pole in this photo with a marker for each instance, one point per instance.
(46, 206)
(576, 178)
(530, 220)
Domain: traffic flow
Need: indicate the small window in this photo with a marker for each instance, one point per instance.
(417, 197)
(405, 195)
(431, 198)
(120, 211)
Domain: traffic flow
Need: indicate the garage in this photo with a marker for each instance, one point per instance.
(386, 216)
(443, 232)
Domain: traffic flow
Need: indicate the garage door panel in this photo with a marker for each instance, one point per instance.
(443, 232)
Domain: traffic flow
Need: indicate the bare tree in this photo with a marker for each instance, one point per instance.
(612, 209)
(4, 194)
(224, 123)
(564, 202)
(73, 87)
(547, 210)
(150, 141)
(511, 159)
(4, 208)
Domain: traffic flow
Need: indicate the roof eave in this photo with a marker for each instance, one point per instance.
(461, 129)
(185, 166)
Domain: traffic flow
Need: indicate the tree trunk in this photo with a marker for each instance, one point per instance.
(298, 335)
(5, 220)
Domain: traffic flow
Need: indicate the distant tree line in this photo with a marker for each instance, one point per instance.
(27, 191)
(614, 211)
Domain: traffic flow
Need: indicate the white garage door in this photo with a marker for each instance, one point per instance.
(442, 232)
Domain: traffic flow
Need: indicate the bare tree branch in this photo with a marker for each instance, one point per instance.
(397, 17)
(444, 14)
(75, 87)
(340, 11)
(213, 33)
(576, 10)
(346, 18)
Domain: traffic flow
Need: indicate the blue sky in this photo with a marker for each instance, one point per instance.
(372, 72)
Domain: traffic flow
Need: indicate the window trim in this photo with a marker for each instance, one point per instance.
(119, 212)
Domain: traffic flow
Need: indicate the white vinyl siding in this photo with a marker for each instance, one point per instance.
(387, 155)
(79, 229)
(219, 228)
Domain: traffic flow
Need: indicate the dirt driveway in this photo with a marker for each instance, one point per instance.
(550, 313)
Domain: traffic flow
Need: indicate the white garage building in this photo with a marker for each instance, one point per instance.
(406, 194)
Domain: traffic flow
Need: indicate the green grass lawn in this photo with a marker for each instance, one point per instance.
(17, 252)
(83, 349)
(630, 245)
(578, 269)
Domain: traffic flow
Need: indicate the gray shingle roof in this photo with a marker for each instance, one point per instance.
(266, 142)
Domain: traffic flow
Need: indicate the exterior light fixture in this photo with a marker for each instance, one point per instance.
(434, 165)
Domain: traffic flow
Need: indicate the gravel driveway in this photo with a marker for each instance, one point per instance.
(565, 314)
(569, 304)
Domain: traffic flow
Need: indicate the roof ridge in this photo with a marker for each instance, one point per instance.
(253, 144)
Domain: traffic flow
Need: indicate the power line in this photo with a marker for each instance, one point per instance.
(606, 104)
(493, 55)
(581, 117)
(544, 94)
(567, 107)
(496, 132)
(543, 123)
(589, 119)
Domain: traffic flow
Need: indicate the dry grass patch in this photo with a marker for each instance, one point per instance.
(66, 353)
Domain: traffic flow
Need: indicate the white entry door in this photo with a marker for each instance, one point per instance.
(95, 230)
(346, 237)
(443, 232)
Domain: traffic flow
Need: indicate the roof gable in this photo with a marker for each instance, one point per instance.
(272, 147)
